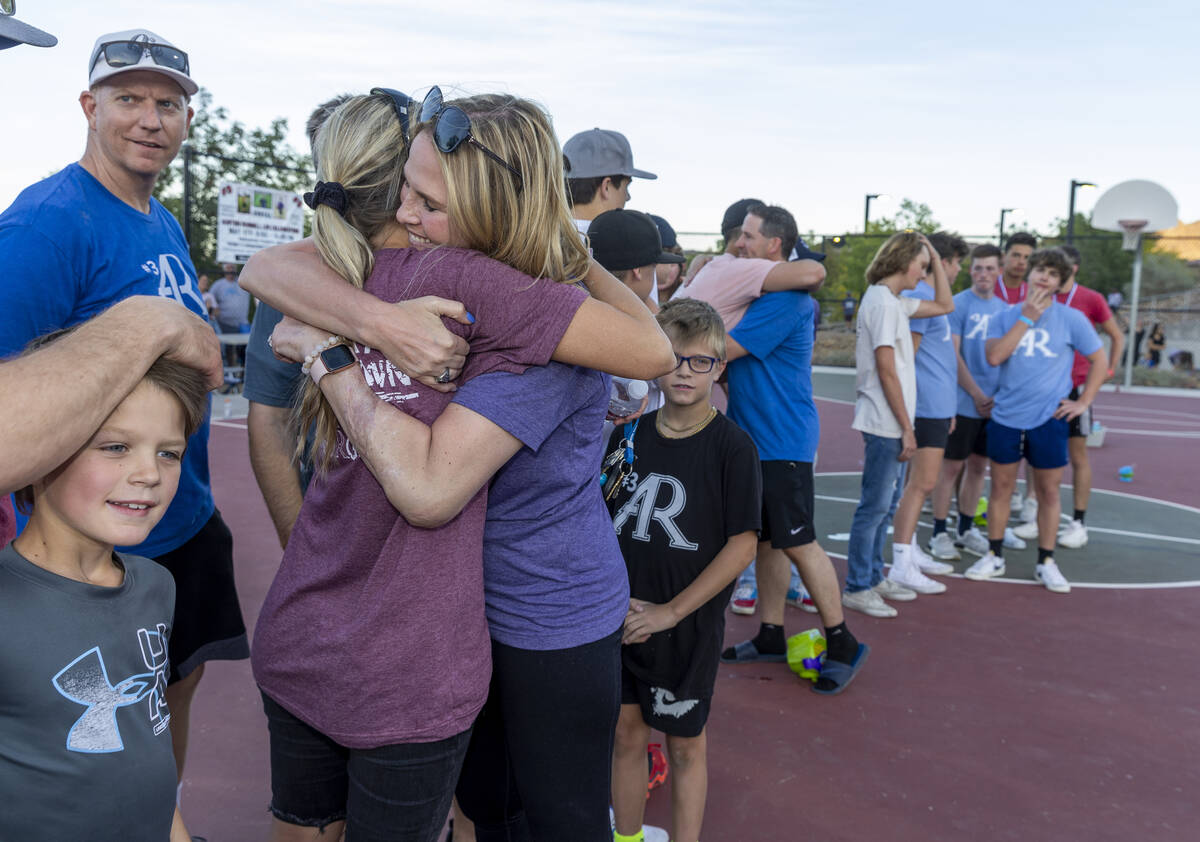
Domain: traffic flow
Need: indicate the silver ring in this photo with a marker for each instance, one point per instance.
(445, 376)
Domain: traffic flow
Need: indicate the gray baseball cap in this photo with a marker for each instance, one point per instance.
(14, 32)
(156, 54)
(601, 152)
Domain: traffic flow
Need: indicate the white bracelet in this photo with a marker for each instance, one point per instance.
(316, 352)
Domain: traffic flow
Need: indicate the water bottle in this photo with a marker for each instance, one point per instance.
(627, 396)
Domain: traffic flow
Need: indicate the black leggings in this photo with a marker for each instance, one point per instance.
(539, 766)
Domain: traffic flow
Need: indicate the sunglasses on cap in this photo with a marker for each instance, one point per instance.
(8, 7)
(402, 103)
(129, 54)
(452, 128)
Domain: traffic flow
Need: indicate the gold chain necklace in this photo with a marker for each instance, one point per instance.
(681, 433)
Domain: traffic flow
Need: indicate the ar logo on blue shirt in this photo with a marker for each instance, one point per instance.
(979, 326)
(1036, 338)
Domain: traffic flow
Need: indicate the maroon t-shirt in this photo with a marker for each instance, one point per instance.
(1091, 304)
(8, 521)
(373, 631)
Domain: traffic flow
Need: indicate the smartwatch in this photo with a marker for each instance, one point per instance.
(331, 360)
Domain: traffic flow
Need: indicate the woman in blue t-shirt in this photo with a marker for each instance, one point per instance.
(555, 583)
(1035, 344)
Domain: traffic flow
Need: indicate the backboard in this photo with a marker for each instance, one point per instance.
(1135, 208)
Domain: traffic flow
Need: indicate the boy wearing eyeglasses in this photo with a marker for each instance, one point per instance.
(687, 515)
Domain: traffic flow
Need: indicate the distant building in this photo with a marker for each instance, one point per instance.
(1182, 240)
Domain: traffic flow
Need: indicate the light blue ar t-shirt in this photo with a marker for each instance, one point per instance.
(770, 389)
(937, 367)
(971, 322)
(553, 575)
(69, 249)
(1038, 374)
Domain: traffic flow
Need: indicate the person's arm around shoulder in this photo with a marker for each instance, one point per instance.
(107, 356)
(943, 298)
(272, 443)
(428, 473)
(614, 331)
(647, 618)
(293, 279)
(803, 275)
(1036, 302)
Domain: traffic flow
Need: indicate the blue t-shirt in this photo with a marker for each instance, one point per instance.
(553, 575)
(971, 322)
(1038, 374)
(937, 366)
(770, 389)
(70, 249)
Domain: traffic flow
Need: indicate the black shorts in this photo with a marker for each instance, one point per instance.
(661, 710)
(969, 437)
(932, 432)
(787, 516)
(208, 618)
(1078, 428)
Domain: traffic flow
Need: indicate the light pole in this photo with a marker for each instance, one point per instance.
(1075, 185)
(1003, 213)
(867, 209)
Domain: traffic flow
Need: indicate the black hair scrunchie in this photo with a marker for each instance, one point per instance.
(328, 193)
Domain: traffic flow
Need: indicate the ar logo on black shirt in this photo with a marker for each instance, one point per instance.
(645, 503)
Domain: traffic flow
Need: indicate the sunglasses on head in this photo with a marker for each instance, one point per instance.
(8, 7)
(452, 128)
(402, 103)
(129, 54)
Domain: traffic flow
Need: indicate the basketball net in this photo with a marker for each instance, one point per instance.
(1131, 229)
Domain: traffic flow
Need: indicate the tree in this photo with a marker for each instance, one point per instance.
(213, 137)
(846, 266)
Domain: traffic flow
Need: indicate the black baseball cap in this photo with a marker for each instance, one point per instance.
(627, 239)
(735, 215)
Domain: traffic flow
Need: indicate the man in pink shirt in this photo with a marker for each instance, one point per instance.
(1091, 304)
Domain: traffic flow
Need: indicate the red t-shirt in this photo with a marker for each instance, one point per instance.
(1013, 295)
(1091, 304)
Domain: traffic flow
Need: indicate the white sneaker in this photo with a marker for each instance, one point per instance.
(1029, 510)
(1011, 541)
(942, 546)
(869, 603)
(1027, 530)
(1015, 502)
(926, 564)
(1073, 535)
(973, 541)
(905, 573)
(897, 593)
(1049, 575)
(744, 599)
(988, 567)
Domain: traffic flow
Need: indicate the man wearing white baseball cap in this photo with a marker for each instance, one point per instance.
(14, 32)
(91, 235)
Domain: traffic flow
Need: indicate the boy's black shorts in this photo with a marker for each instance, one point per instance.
(1080, 426)
(931, 432)
(787, 516)
(208, 618)
(969, 437)
(661, 710)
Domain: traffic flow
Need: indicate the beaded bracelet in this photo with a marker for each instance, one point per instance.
(312, 355)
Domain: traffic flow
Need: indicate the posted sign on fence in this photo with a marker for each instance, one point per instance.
(250, 218)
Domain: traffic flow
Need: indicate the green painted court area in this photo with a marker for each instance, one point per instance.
(1133, 541)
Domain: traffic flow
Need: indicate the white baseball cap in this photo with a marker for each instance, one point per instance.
(139, 49)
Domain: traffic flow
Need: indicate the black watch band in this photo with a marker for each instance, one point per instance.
(337, 358)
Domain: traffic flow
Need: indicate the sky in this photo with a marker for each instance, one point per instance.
(968, 108)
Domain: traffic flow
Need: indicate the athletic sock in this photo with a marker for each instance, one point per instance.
(964, 523)
(1080, 514)
(939, 526)
(840, 643)
(770, 640)
(1044, 554)
(640, 836)
(996, 545)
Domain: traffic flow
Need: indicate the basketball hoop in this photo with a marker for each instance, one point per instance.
(1131, 230)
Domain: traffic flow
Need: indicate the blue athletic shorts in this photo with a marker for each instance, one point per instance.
(1044, 446)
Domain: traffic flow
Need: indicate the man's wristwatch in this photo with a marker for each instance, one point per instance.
(331, 360)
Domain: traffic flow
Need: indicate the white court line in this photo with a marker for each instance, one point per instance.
(1165, 434)
(1140, 410)
(833, 400)
(229, 422)
(1137, 419)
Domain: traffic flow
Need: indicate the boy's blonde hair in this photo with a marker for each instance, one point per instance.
(685, 320)
(187, 385)
(894, 256)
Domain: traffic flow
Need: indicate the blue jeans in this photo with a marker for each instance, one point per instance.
(748, 577)
(882, 481)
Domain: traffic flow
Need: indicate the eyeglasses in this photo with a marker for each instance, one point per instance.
(698, 363)
(129, 53)
(452, 128)
(401, 103)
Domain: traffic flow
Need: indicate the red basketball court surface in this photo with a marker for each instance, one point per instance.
(994, 711)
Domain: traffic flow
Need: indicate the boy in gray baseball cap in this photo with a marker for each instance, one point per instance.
(599, 169)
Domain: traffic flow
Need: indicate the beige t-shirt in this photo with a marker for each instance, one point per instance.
(883, 320)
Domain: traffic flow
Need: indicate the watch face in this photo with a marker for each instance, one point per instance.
(338, 357)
